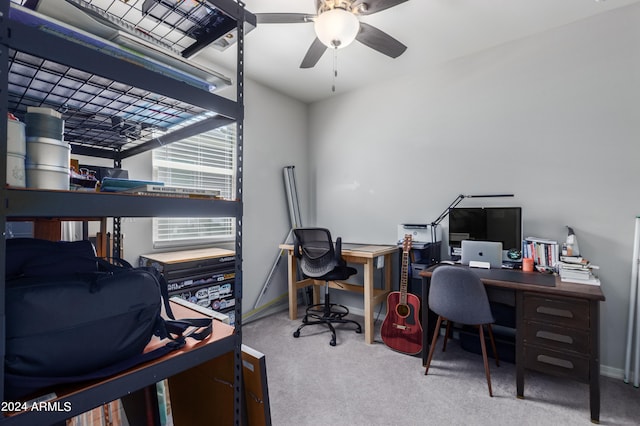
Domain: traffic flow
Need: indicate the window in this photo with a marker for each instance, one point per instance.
(203, 161)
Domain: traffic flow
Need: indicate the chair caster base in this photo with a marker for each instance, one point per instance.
(327, 317)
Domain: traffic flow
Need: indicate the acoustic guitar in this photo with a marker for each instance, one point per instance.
(401, 329)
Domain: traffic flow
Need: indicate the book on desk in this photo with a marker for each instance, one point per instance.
(576, 269)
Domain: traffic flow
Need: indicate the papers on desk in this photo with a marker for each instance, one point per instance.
(591, 280)
(574, 270)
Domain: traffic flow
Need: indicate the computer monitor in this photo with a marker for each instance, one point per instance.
(499, 224)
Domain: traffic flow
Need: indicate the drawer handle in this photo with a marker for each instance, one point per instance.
(555, 361)
(554, 311)
(555, 337)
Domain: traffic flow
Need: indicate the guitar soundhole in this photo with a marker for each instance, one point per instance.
(403, 310)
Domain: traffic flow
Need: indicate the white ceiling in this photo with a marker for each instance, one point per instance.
(435, 31)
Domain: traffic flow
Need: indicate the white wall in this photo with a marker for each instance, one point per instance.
(276, 133)
(552, 118)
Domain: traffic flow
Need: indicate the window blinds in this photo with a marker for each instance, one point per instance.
(204, 161)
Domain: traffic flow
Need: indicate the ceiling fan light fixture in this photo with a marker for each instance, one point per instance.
(337, 28)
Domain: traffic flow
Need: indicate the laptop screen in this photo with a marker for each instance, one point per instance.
(482, 251)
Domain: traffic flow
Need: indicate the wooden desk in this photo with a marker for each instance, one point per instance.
(557, 328)
(353, 253)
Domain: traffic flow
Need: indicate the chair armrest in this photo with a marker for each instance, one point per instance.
(297, 249)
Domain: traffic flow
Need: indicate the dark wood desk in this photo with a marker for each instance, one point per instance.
(557, 327)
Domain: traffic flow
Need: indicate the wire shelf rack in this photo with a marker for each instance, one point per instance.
(99, 112)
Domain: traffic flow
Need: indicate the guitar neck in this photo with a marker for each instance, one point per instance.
(404, 277)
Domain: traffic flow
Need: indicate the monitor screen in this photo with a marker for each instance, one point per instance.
(499, 224)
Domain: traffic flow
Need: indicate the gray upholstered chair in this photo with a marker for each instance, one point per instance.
(457, 295)
(320, 260)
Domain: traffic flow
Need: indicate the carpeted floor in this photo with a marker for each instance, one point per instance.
(353, 383)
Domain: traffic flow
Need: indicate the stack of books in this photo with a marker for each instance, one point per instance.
(576, 269)
(543, 251)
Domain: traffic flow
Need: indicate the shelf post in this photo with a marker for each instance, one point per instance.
(4, 102)
(237, 389)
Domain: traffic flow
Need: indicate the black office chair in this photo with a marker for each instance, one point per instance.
(457, 295)
(319, 260)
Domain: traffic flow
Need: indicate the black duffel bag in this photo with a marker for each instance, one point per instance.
(73, 317)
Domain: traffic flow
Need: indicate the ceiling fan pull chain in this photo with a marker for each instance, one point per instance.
(335, 68)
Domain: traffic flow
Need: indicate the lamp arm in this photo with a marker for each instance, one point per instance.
(444, 214)
(455, 202)
(446, 211)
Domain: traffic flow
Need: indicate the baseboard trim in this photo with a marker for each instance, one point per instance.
(611, 372)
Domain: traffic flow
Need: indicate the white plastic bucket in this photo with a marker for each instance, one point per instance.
(47, 163)
(16, 150)
(15, 170)
(48, 155)
(47, 177)
(16, 142)
(48, 151)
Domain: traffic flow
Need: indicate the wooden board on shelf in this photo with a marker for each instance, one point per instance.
(256, 390)
(188, 255)
(47, 229)
(203, 395)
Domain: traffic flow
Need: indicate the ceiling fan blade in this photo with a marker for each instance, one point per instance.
(380, 41)
(314, 54)
(374, 6)
(283, 18)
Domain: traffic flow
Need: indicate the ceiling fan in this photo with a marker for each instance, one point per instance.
(337, 25)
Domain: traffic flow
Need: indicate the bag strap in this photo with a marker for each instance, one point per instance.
(203, 327)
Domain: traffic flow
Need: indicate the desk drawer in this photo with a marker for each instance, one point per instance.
(557, 363)
(561, 311)
(553, 337)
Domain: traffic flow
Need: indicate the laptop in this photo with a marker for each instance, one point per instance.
(482, 251)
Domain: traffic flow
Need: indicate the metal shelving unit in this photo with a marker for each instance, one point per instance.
(115, 106)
